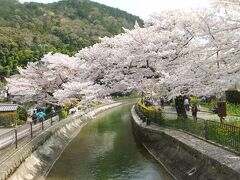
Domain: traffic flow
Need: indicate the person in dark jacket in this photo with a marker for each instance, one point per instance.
(194, 111)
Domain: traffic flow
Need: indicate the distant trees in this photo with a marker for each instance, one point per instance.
(30, 30)
(176, 54)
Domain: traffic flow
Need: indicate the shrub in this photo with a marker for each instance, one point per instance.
(8, 119)
(22, 114)
(63, 114)
(233, 97)
(67, 107)
(194, 100)
(20, 122)
(233, 109)
(212, 105)
(48, 110)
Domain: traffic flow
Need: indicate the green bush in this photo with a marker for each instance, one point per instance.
(233, 109)
(48, 109)
(8, 119)
(67, 107)
(20, 122)
(211, 105)
(22, 114)
(194, 100)
(233, 97)
(63, 114)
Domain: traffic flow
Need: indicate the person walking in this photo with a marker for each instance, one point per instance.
(194, 111)
(186, 104)
(34, 117)
(162, 102)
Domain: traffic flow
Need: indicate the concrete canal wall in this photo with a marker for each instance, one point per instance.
(184, 156)
(35, 159)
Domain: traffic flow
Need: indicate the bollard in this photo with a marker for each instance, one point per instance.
(31, 131)
(16, 143)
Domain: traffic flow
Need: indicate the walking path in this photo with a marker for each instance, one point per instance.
(224, 163)
(203, 114)
(5, 130)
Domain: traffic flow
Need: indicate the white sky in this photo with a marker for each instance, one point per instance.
(143, 8)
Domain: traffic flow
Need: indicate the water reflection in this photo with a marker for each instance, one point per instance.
(106, 149)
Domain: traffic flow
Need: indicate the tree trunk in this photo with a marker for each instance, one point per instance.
(179, 103)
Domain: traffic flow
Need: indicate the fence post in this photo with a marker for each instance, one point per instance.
(42, 125)
(155, 116)
(51, 122)
(31, 129)
(205, 130)
(148, 118)
(16, 143)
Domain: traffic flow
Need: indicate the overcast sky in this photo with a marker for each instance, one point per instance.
(143, 8)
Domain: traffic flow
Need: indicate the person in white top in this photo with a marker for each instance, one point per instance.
(186, 104)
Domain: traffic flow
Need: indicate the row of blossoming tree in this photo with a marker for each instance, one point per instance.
(176, 53)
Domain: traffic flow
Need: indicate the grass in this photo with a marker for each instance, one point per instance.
(232, 109)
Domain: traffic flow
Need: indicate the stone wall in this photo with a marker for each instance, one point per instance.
(184, 156)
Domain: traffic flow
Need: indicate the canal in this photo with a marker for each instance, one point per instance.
(106, 149)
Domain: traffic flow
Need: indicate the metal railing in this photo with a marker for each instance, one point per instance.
(19, 136)
(220, 133)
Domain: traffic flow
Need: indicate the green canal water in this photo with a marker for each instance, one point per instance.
(106, 149)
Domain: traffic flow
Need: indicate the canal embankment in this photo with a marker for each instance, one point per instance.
(107, 149)
(185, 156)
(34, 160)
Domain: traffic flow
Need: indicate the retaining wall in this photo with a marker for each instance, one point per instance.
(35, 159)
(184, 156)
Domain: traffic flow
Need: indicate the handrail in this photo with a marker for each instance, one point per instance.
(220, 133)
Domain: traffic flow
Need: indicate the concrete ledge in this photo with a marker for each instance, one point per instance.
(35, 159)
(185, 156)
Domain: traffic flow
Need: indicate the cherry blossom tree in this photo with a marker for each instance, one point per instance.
(39, 80)
(177, 53)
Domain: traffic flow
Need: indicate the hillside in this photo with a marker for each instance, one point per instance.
(29, 30)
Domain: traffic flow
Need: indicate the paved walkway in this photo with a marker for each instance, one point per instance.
(5, 130)
(203, 114)
(224, 157)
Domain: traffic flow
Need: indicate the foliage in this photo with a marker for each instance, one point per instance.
(233, 97)
(95, 103)
(67, 107)
(2, 85)
(29, 30)
(237, 124)
(20, 122)
(63, 114)
(211, 105)
(194, 100)
(233, 109)
(147, 108)
(177, 53)
(22, 114)
(8, 119)
(132, 94)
